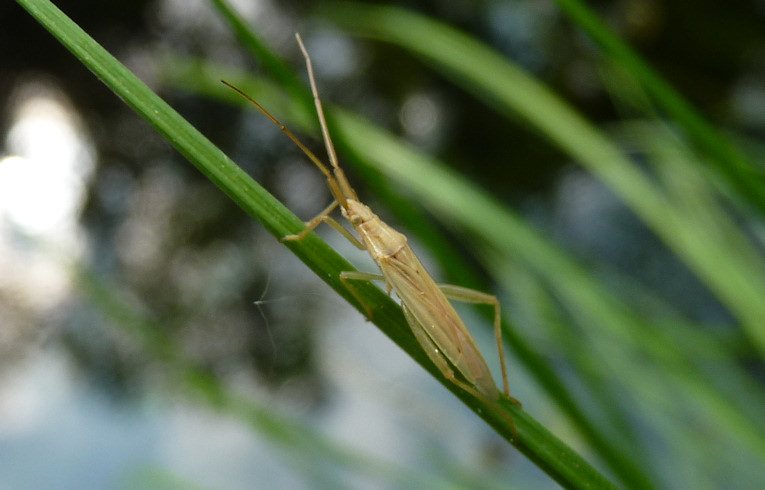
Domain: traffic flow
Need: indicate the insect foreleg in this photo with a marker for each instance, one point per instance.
(466, 295)
(311, 225)
(325, 217)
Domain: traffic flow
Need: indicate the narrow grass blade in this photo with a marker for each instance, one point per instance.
(537, 443)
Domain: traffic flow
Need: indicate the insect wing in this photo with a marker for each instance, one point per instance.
(434, 314)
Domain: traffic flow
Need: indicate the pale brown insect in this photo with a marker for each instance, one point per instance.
(433, 320)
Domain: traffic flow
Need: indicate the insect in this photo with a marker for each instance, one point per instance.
(430, 315)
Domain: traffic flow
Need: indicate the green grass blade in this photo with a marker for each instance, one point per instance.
(351, 132)
(558, 460)
(446, 192)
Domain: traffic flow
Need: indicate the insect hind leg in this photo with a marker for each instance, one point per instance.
(459, 293)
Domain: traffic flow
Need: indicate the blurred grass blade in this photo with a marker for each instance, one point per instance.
(287, 79)
(509, 90)
(726, 159)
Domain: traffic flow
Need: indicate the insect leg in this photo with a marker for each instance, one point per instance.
(311, 225)
(362, 276)
(427, 344)
(466, 295)
(347, 276)
(343, 231)
(325, 217)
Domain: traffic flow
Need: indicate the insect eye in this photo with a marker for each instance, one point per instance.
(355, 220)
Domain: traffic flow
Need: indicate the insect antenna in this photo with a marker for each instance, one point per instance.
(345, 187)
(335, 187)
